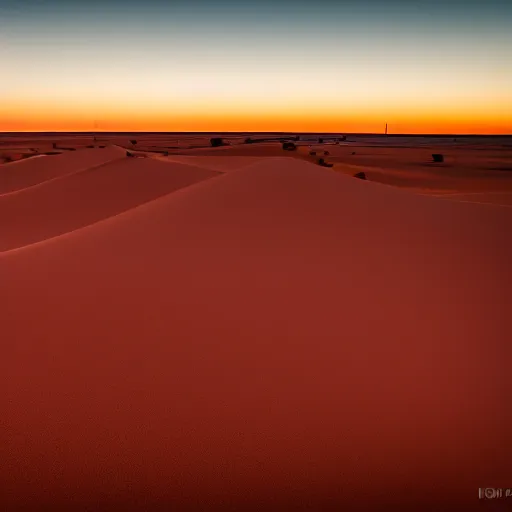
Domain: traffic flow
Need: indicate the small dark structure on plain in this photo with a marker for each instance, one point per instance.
(248, 141)
(438, 158)
(326, 153)
(54, 145)
(360, 175)
(320, 141)
(353, 152)
(90, 146)
(323, 163)
(312, 153)
(289, 146)
(133, 142)
(216, 142)
(130, 154)
(343, 138)
(102, 147)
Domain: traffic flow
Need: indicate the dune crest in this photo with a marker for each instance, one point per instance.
(26, 173)
(72, 201)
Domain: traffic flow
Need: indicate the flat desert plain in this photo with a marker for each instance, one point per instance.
(240, 328)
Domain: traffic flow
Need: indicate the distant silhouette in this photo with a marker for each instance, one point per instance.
(326, 153)
(248, 141)
(343, 138)
(320, 141)
(360, 175)
(133, 142)
(289, 146)
(216, 142)
(437, 157)
(353, 152)
(312, 153)
(323, 163)
(129, 154)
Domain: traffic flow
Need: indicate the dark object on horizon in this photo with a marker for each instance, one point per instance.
(129, 154)
(133, 142)
(312, 153)
(297, 137)
(353, 152)
(323, 163)
(216, 142)
(326, 153)
(360, 175)
(343, 138)
(102, 147)
(320, 141)
(289, 146)
(437, 157)
(248, 141)
(54, 145)
(454, 140)
(90, 146)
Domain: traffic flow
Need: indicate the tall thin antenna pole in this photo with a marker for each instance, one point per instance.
(386, 128)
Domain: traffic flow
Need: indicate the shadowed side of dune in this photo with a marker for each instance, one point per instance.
(280, 338)
(82, 198)
(26, 173)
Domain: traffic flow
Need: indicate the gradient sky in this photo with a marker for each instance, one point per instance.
(200, 65)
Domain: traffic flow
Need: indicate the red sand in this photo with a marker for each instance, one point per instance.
(26, 173)
(281, 337)
(76, 200)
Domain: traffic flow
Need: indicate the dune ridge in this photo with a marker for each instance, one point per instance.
(278, 337)
(32, 171)
(75, 200)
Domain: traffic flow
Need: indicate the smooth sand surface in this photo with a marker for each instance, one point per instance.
(19, 175)
(76, 200)
(218, 163)
(281, 337)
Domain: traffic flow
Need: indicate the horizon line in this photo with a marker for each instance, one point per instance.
(262, 132)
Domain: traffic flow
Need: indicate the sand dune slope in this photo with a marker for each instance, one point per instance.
(82, 198)
(26, 173)
(217, 163)
(280, 337)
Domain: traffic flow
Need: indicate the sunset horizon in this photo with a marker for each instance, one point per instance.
(272, 66)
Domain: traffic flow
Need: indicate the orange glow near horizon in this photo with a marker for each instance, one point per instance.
(259, 114)
(226, 123)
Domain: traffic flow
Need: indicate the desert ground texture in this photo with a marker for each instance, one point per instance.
(188, 327)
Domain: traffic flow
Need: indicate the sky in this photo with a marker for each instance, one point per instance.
(305, 66)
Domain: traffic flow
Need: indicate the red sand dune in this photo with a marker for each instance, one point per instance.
(82, 198)
(280, 337)
(26, 173)
(218, 163)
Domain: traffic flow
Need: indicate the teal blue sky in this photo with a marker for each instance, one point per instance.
(425, 63)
